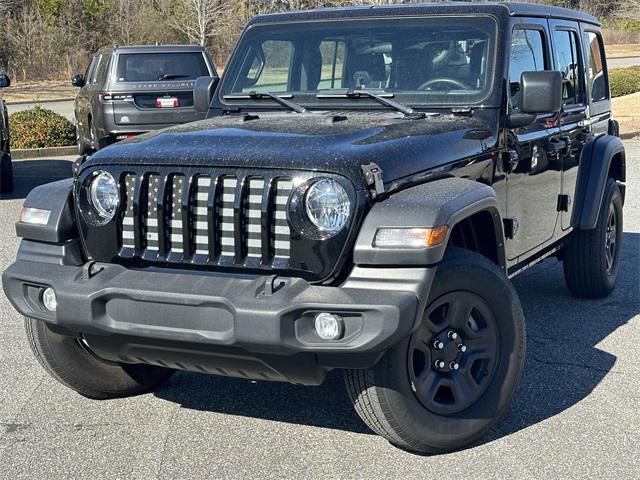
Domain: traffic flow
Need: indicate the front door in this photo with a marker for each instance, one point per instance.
(533, 162)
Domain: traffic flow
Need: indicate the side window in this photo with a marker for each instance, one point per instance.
(596, 77)
(568, 63)
(101, 74)
(94, 70)
(527, 55)
(270, 68)
(91, 69)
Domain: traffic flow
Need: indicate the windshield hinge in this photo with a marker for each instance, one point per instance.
(373, 177)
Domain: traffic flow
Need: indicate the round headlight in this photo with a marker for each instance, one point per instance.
(328, 206)
(104, 196)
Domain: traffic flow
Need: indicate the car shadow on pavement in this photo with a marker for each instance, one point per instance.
(29, 174)
(563, 364)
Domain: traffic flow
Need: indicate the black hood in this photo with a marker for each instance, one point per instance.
(316, 142)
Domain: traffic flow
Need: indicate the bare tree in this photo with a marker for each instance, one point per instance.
(196, 19)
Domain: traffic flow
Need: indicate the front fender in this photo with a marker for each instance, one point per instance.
(57, 198)
(433, 204)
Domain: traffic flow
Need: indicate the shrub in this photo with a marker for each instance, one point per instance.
(624, 81)
(40, 128)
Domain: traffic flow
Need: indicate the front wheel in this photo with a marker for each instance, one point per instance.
(451, 381)
(69, 360)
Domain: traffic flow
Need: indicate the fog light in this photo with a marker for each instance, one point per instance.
(329, 326)
(49, 299)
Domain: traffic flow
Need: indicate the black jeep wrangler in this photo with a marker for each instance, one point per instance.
(366, 183)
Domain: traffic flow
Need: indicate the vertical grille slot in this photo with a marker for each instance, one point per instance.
(176, 215)
(253, 217)
(281, 236)
(200, 216)
(227, 238)
(128, 230)
(151, 219)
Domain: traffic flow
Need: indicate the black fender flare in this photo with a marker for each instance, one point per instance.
(441, 202)
(595, 164)
(58, 199)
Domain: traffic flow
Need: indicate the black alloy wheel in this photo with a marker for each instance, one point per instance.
(452, 356)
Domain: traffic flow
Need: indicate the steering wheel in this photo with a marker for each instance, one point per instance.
(448, 81)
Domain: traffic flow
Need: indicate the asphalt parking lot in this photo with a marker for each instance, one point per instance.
(576, 415)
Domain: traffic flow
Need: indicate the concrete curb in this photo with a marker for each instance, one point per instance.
(41, 102)
(629, 135)
(21, 154)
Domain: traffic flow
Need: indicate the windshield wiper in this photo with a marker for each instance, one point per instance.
(262, 95)
(407, 111)
(171, 76)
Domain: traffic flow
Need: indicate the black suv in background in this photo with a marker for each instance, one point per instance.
(127, 91)
(6, 173)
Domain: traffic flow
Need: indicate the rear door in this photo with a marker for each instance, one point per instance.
(82, 99)
(574, 128)
(157, 88)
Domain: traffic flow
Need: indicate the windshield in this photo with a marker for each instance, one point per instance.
(427, 61)
(151, 67)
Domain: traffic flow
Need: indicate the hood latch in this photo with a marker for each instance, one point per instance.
(373, 177)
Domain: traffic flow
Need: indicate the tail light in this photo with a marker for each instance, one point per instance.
(114, 97)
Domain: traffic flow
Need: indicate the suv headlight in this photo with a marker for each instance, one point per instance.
(327, 206)
(104, 197)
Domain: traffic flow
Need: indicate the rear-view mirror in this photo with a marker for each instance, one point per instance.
(5, 81)
(78, 81)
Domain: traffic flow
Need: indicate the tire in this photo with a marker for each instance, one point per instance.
(69, 361)
(391, 398)
(6, 173)
(592, 262)
(84, 148)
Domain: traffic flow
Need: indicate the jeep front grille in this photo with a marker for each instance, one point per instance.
(207, 219)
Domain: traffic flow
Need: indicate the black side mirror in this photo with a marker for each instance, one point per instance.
(203, 91)
(541, 92)
(5, 81)
(78, 81)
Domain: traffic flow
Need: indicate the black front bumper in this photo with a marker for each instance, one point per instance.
(247, 326)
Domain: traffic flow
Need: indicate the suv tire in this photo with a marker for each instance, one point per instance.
(456, 412)
(6, 173)
(592, 259)
(84, 147)
(68, 360)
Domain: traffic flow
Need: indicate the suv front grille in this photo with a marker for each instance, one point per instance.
(208, 219)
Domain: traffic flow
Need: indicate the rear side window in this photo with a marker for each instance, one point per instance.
(567, 62)
(101, 74)
(527, 55)
(153, 67)
(597, 86)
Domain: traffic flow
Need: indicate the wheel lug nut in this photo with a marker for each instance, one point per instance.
(452, 335)
(462, 348)
(438, 344)
(454, 366)
(439, 364)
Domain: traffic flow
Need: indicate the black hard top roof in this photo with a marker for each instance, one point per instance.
(151, 48)
(458, 7)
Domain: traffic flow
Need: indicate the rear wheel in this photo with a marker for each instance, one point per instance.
(69, 360)
(451, 381)
(84, 147)
(592, 259)
(6, 173)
